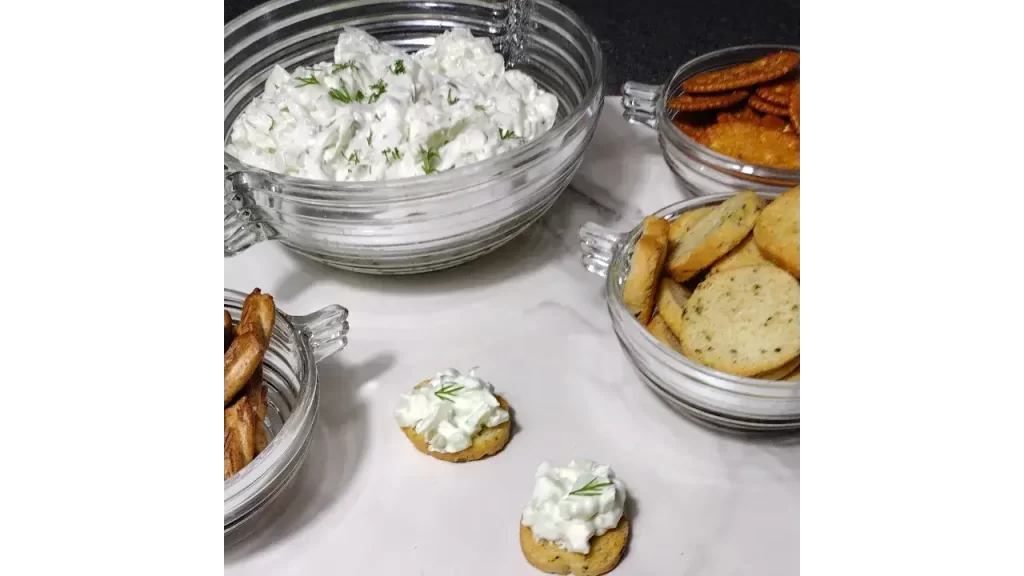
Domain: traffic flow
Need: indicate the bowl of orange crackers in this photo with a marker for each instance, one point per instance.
(727, 121)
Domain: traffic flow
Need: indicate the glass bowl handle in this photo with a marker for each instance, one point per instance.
(326, 330)
(244, 222)
(640, 103)
(599, 245)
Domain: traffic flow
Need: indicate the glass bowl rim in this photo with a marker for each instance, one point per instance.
(445, 184)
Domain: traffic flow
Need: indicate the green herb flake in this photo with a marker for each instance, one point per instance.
(308, 81)
(506, 134)
(354, 158)
(451, 101)
(398, 67)
(340, 94)
(427, 158)
(379, 88)
(448, 392)
(359, 97)
(480, 107)
(350, 65)
(392, 155)
(591, 488)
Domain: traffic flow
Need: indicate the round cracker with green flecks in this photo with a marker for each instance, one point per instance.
(605, 552)
(744, 321)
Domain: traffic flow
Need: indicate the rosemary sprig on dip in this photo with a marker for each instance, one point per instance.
(447, 392)
(592, 488)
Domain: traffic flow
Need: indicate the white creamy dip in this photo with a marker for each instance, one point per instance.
(377, 113)
(572, 504)
(450, 409)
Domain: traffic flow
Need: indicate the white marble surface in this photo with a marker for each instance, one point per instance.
(366, 502)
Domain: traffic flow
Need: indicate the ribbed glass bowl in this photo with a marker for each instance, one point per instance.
(416, 224)
(711, 397)
(293, 398)
(702, 170)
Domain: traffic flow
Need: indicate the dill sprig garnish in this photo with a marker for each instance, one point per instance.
(379, 88)
(506, 134)
(398, 67)
(447, 392)
(308, 80)
(392, 155)
(427, 157)
(340, 94)
(591, 488)
(344, 66)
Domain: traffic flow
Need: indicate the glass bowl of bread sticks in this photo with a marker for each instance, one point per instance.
(271, 395)
(704, 298)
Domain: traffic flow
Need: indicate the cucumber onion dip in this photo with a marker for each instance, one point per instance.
(377, 113)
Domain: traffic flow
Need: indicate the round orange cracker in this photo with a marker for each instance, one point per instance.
(746, 75)
(773, 122)
(766, 107)
(692, 130)
(794, 106)
(777, 92)
(700, 102)
(754, 144)
(745, 114)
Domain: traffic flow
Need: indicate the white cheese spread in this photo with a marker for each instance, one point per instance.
(572, 504)
(377, 113)
(450, 409)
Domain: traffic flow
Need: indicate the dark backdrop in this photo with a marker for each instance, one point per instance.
(648, 39)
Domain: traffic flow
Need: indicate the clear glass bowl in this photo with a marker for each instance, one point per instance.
(293, 398)
(702, 170)
(416, 224)
(711, 397)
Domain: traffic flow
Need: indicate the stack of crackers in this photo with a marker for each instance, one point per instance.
(750, 112)
(720, 285)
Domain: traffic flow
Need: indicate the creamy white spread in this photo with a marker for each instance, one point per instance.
(377, 113)
(572, 504)
(450, 410)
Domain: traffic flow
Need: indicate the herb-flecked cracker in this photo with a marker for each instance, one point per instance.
(777, 232)
(745, 254)
(744, 321)
(645, 268)
(605, 552)
(713, 236)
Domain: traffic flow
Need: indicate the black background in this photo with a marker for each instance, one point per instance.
(647, 40)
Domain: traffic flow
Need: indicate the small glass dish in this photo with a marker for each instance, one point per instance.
(293, 398)
(417, 224)
(702, 170)
(711, 397)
